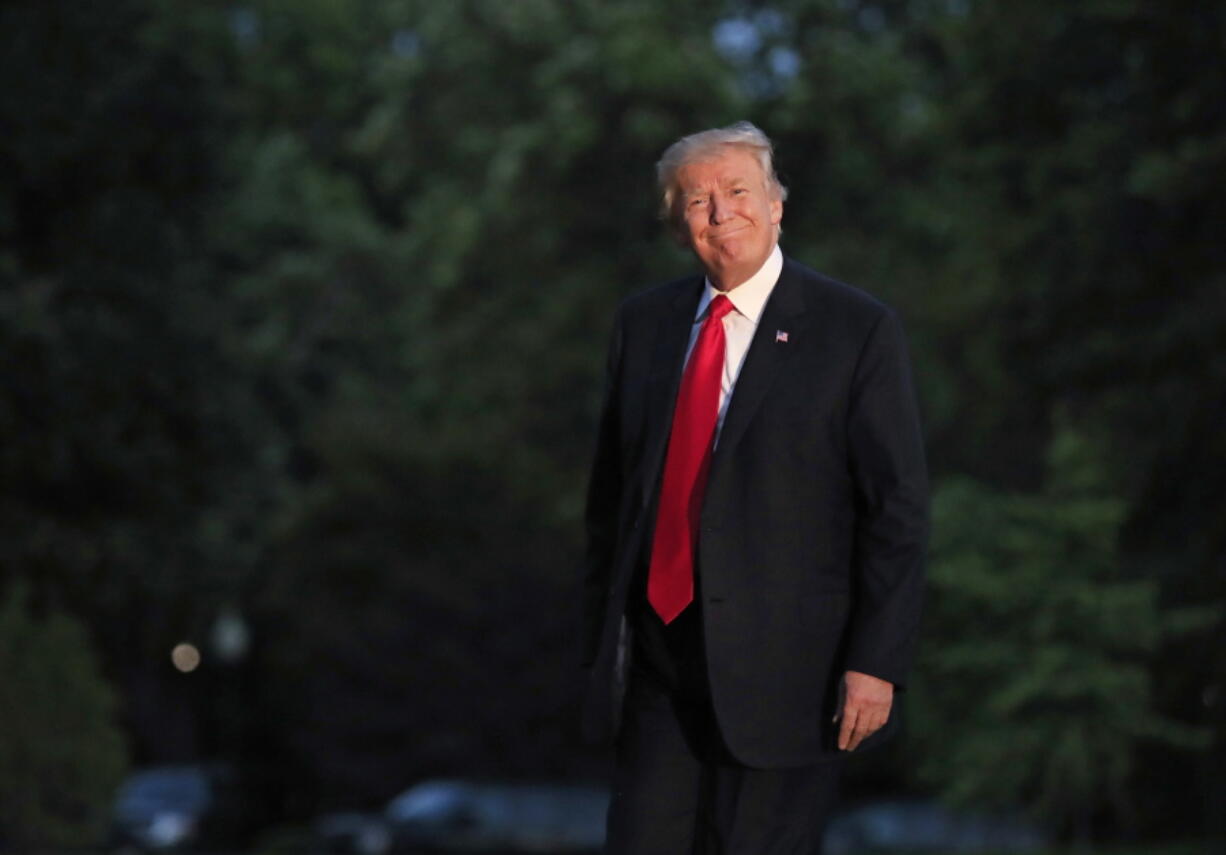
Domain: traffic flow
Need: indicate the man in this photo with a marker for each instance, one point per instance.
(757, 518)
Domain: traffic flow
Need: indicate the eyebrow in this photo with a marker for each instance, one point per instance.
(732, 182)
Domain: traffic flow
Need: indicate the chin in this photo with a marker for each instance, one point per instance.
(730, 261)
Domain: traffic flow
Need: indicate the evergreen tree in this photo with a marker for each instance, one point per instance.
(62, 753)
(1034, 685)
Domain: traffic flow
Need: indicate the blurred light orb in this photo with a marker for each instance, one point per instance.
(230, 636)
(186, 657)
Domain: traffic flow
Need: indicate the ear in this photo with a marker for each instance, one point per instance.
(776, 209)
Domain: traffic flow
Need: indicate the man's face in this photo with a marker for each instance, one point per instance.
(729, 214)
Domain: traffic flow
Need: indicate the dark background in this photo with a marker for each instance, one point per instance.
(303, 305)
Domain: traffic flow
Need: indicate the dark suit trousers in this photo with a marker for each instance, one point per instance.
(676, 788)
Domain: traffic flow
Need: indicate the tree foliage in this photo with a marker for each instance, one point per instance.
(1041, 667)
(61, 750)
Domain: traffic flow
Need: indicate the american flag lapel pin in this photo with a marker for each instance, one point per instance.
(781, 336)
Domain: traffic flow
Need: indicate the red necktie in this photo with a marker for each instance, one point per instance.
(670, 579)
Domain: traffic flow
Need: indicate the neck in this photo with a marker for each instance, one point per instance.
(722, 284)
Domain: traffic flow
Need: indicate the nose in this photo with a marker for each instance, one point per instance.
(719, 210)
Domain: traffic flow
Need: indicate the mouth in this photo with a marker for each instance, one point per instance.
(718, 236)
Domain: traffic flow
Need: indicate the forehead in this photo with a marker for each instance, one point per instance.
(726, 165)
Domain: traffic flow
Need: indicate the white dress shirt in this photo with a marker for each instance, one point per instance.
(748, 300)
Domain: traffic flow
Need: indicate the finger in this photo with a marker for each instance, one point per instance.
(858, 735)
(866, 725)
(847, 728)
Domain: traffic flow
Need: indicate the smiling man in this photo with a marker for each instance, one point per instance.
(729, 215)
(756, 520)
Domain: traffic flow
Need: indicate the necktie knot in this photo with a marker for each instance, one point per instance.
(720, 306)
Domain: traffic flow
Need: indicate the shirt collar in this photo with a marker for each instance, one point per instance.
(748, 298)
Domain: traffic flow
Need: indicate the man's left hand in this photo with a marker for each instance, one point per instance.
(866, 708)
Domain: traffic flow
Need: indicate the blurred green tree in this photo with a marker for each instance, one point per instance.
(1036, 686)
(62, 752)
(134, 446)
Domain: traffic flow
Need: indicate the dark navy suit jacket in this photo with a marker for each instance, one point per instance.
(814, 522)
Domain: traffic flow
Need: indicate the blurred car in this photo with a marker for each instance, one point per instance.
(900, 827)
(495, 819)
(352, 834)
(178, 808)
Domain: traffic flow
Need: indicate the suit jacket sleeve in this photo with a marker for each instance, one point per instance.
(604, 501)
(886, 457)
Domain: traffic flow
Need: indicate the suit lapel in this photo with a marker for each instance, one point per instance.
(784, 313)
(664, 378)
